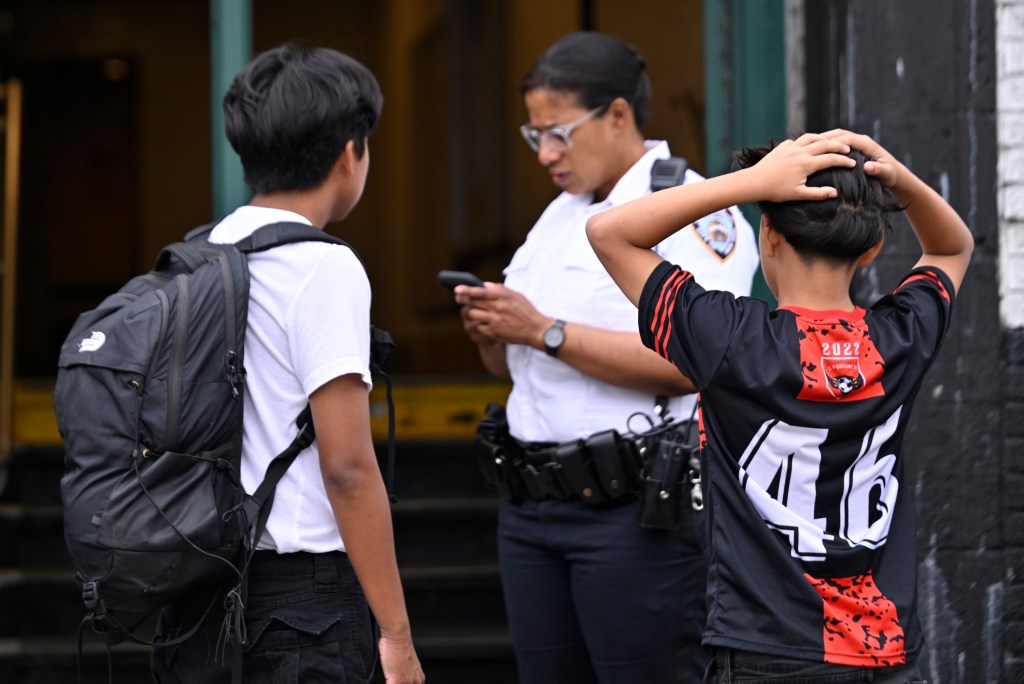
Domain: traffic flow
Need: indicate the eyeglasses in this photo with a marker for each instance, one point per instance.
(558, 138)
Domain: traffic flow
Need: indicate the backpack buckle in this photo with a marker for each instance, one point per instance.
(92, 599)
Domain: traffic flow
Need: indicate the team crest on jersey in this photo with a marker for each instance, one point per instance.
(718, 231)
(839, 361)
(843, 374)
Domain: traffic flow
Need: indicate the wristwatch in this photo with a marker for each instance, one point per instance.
(554, 338)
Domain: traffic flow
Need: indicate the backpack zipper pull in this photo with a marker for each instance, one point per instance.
(236, 373)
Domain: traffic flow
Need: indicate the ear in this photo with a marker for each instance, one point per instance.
(346, 161)
(771, 237)
(869, 256)
(621, 114)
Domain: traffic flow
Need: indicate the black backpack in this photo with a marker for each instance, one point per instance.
(149, 405)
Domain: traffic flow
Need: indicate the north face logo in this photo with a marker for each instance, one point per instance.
(93, 342)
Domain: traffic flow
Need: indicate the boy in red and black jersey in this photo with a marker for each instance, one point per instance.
(803, 407)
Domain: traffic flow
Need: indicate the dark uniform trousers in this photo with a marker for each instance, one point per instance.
(593, 597)
(306, 619)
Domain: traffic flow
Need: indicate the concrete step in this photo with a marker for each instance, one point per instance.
(445, 534)
(453, 529)
(32, 536)
(39, 602)
(47, 602)
(452, 598)
(445, 529)
(50, 660)
(427, 469)
(32, 476)
(469, 657)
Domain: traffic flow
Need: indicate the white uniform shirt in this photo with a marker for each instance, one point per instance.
(557, 270)
(308, 323)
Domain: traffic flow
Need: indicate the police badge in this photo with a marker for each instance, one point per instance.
(718, 232)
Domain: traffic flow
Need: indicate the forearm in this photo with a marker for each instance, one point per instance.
(622, 236)
(620, 359)
(938, 227)
(946, 241)
(361, 509)
(644, 222)
(355, 491)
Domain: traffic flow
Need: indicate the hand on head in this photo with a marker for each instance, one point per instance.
(882, 165)
(783, 172)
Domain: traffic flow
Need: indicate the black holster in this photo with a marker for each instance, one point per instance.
(499, 458)
(667, 461)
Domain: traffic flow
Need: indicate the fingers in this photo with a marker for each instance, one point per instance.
(818, 193)
(827, 160)
(816, 144)
(858, 141)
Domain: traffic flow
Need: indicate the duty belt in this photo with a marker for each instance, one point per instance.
(605, 468)
(602, 468)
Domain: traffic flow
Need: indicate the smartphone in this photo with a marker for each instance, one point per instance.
(452, 278)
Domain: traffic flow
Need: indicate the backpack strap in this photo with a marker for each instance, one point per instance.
(263, 498)
(270, 236)
(381, 344)
(284, 233)
(287, 232)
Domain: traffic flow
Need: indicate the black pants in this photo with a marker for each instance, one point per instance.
(593, 597)
(740, 667)
(306, 620)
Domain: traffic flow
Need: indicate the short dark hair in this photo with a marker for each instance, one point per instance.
(596, 68)
(291, 111)
(839, 229)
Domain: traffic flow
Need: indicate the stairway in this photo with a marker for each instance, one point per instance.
(445, 539)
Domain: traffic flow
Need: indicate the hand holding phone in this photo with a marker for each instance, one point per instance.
(452, 278)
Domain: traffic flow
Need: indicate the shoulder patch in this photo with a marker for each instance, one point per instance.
(718, 232)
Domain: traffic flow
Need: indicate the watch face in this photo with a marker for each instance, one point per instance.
(554, 336)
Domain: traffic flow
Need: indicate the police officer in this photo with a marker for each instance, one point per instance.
(591, 595)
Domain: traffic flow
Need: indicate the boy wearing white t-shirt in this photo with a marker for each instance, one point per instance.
(300, 121)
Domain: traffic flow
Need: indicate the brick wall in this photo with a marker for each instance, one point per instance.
(1010, 195)
(940, 83)
(1010, 108)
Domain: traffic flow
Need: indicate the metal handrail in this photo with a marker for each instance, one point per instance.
(11, 94)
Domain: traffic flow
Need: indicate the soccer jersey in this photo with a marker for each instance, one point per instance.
(810, 520)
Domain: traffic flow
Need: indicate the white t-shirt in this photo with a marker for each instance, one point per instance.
(557, 270)
(308, 323)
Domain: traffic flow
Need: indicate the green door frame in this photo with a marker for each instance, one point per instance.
(230, 50)
(744, 85)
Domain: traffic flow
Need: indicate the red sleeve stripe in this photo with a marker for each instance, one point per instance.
(930, 277)
(661, 325)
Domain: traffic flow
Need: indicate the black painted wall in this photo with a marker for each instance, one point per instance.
(920, 76)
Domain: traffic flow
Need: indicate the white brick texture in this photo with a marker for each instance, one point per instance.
(1010, 124)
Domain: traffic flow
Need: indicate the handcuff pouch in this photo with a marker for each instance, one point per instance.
(576, 474)
(615, 462)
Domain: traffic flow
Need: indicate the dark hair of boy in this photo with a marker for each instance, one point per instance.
(290, 113)
(840, 229)
(595, 67)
